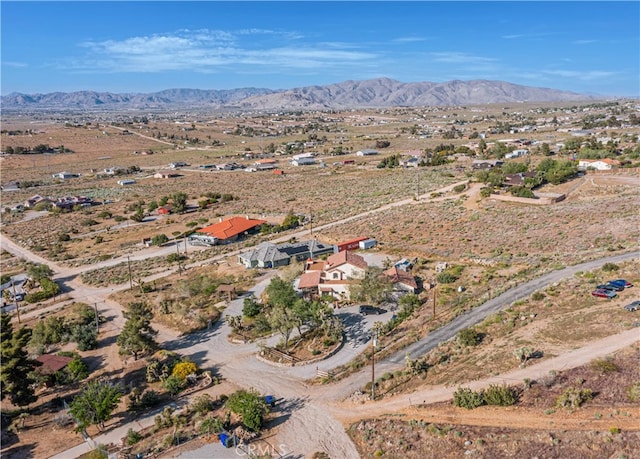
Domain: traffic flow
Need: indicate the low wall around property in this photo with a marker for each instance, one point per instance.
(543, 199)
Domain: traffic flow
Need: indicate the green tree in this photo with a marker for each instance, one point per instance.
(281, 293)
(514, 168)
(138, 216)
(137, 335)
(159, 239)
(251, 307)
(16, 367)
(76, 370)
(174, 384)
(290, 221)
(37, 271)
(250, 406)
(179, 202)
(95, 404)
(284, 320)
(374, 287)
(85, 336)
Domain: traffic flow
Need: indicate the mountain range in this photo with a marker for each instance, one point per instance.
(375, 93)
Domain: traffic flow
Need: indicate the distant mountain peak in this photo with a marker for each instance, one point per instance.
(374, 93)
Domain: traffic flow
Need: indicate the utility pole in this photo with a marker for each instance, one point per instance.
(435, 286)
(15, 299)
(130, 279)
(374, 340)
(95, 307)
(310, 223)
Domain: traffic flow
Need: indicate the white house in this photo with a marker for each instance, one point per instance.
(598, 164)
(516, 153)
(304, 155)
(65, 175)
(303, 161)
(366, 152)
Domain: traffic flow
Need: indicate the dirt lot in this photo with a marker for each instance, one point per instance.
(608, 426)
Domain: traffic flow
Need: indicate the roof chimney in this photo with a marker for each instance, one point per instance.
(220, 219)
(247, 217)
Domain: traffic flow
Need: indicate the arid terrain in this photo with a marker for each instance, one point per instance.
(491, 245)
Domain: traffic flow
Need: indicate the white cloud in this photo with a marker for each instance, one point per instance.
(14, 64)
(584, 42)
(208, 51)
(455, 57)
(583, 75)
(408, 39)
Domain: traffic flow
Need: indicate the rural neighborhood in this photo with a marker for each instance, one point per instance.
(209, 309)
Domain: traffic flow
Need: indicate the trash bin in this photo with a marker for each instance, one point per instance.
(271, 400)
(225, 440)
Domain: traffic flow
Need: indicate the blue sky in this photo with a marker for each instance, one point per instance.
(586, 47)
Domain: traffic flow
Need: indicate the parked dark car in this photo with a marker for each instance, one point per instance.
(367, 309)
(625, 283)
(602, 293)
(610, 286)
(632, 307)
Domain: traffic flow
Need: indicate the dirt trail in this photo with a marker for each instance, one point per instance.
(349, 412)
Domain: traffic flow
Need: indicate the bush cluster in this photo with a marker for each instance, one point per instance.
(494, 395)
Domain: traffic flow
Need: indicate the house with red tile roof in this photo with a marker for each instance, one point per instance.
(229, 230)
(345, 265)
(402, 280)
(333, 276)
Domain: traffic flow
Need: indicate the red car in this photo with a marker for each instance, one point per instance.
(601, 293)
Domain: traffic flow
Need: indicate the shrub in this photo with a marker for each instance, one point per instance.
(88, 222)
(446, 278)
(184, 369)
(133, 437)
(159, 239)
(466, 398)
(202, 404)
(614, 430)
(174, 257)
(173, 385)
(86, 336)
(634, 392)
(574, 397)
(76, 370)
(250, 406)
(604, 366)
(610, 267)
(500, 395)
(459, 188)
(469, 337)
(64, 237)
(211, 425)
(251, 307)
(537, 296)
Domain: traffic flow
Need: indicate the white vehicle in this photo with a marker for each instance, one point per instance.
(203, 240)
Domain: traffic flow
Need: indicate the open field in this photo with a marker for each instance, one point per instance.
(491, 246)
